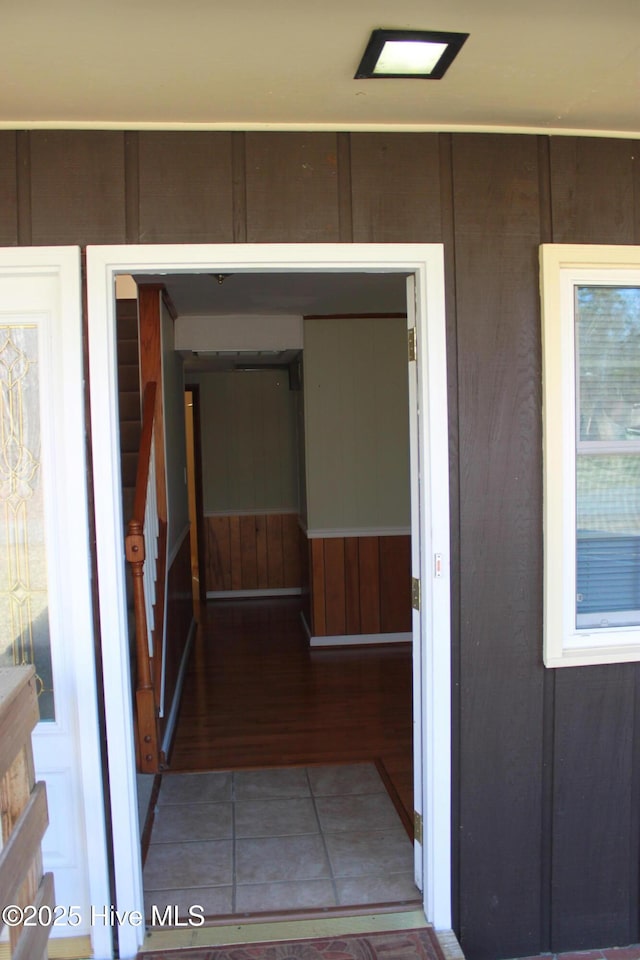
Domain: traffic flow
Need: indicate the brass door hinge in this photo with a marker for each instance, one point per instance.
(417, 827)
(412, 344)
(415, 593)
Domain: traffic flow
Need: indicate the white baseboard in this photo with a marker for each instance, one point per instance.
(354, 639)
(360, 639)
(245, 594)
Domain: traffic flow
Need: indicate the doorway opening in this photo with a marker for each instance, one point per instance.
(427, 392)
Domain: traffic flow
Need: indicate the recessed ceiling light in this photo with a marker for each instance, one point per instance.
(414, 54)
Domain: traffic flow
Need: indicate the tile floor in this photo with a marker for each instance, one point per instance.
(267, 841)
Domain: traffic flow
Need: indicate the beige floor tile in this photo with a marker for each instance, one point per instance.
(352, 814)
(275, 818)
(195, 788)
(271, 784)
(394, 888)
(270, 859)
(213, 901)
(200, 864)
(348, 779)
(298, 895)
(192, 821)
(374, 854)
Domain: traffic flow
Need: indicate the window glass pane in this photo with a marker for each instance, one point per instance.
(24, 621)
(608, 369)
(608, 540)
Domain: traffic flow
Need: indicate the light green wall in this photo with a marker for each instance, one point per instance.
(249, 460)
(356, 423)
(175, 445)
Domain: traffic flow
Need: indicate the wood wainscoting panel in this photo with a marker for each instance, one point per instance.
(252, 552)
(360, 585)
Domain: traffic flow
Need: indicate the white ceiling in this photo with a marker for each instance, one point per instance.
(553, 65)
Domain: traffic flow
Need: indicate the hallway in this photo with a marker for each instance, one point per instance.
(291, 776)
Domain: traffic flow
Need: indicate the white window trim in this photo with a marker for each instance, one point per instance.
(562, 267)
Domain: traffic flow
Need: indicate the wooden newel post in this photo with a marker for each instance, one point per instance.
(145, 698)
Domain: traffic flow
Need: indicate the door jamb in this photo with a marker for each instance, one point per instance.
(426, 262)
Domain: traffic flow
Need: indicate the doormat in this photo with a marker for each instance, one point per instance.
(421, 944)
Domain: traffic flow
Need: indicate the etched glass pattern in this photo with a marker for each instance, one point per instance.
(24, 620)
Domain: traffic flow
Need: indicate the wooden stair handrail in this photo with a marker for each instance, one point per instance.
(146, 716)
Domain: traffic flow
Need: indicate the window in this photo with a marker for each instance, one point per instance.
(591, 412)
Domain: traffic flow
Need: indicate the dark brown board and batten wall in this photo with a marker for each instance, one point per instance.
(546, 763)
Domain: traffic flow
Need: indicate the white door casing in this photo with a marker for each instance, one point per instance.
(429, 467)
(40, 291)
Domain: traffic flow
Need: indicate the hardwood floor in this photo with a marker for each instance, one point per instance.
(256, 695)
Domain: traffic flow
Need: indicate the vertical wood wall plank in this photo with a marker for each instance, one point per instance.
(292, 571)
(239, 181)
(334, 581)
(292, 187)
(448, 239)
(248, 553)
(369, 566)
(496, 196)
(591, 824)
(395, 584)
(262, 557)
(352, 585)
(132, 186)
(220, 569)
(185, 187)
(77, 187)
(408, 213)
(316, 574)
(236, 554)
(592, 184)
(8, 189)
(345, 200)
(592, 202)
(275, 556)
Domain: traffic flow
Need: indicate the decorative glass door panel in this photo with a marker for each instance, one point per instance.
(24, 618)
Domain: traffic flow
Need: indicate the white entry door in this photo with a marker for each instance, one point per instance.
(45, 584)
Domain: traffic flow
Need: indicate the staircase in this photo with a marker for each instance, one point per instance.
(129, 397)
(130, 426)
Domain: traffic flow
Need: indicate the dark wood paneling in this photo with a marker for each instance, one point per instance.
(519, 885)
(396, 187)
(77, 187)
(275, 557)
(369, 565)
(292, 187)
(291, 532)
(592, 190)
(334, 586)
(361, 585)
(8, 189)
(497, 232)
(352, 585)
(395, 584)
(185, 187)
(316, 576)
(593, 797)
(255, 552)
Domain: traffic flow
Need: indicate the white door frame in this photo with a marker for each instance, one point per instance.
(42, 286)
(426, 263)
